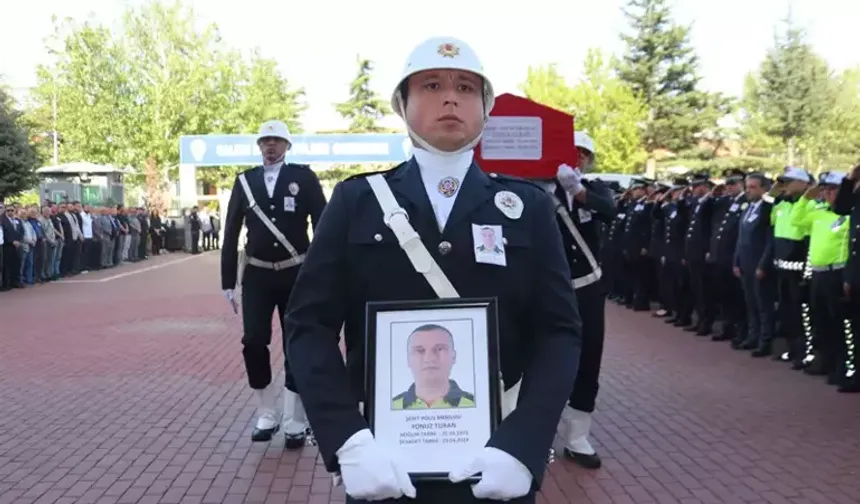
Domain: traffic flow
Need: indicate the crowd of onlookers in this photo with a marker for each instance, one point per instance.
(57, 240)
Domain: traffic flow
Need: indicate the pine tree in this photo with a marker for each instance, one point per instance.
(17, 158)
(365, 107)
(661, 68)
(796, 91)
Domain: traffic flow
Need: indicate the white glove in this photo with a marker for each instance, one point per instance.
(369, 473)
(502, 476)
(228, 293)
(570, 179)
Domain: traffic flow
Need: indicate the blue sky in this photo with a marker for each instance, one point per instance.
(316, 42)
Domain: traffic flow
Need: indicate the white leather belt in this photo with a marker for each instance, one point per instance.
(277, 266)
(830, 267)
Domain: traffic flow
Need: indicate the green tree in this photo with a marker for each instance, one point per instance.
(17, 158)
(545, 85)
(364, 108)
(662, 69)
(602, 105)
(125, 98)
(607, 109)
(795, 92)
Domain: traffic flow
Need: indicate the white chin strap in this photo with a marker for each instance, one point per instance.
(426, 145)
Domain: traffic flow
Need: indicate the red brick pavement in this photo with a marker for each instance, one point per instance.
(131, 390)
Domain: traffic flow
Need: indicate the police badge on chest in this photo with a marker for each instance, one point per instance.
(289, 204)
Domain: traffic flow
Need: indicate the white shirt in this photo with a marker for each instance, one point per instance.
(1, 236)
(29, 232)
(270, 177)
(206, 223)
(434, 169)
(87, 225)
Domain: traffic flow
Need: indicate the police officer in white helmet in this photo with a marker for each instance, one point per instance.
(581, 206)
(442, 195)
(274, 201)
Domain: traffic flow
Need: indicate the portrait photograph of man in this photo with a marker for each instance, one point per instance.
(489, 242)
(431, 357)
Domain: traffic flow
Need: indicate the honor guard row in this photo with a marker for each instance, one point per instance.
(755, 242)
(274, 201)
(411, 233)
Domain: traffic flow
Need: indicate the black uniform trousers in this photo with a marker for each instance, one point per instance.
(442, 492)
(760, 297)
(829, 317)
(682, 298)
(11, 266)
(731, 301)
(789, 314)
(643, 269)
(195, 242)
(702, 283)
(263, 290)
(665, 286)
(591, 300)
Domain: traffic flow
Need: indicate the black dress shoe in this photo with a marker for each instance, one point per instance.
(762, 352)
(704, 331)
(798, 365)
(262, 435)
(722, 337)
(586, 461)
(748, 345)
(692, 328)
(295, 441)
(850, 386)
(670, 320)
(681, 323)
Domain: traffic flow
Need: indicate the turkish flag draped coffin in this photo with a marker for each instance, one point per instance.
(526, 139)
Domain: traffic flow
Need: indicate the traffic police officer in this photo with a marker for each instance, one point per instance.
(790, 247)
(581, 205)
(847, 202)
(408, 234)
(828, 255)
(728, 208)
(274, 201)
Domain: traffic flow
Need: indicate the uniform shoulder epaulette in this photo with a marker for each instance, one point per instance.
(249, 170)
(367, 174)
(510, 178)
(302, 166)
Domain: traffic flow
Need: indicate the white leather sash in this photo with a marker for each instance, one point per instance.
(396, 218)
(596, 272)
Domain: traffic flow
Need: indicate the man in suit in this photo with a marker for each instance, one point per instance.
(753, 265)
(275, 201)
(409, 234)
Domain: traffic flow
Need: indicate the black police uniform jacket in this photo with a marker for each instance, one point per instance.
(674, 229)
(848, 203)
(725, 236)
(355, 258)
(599, 209)
(261, 243)
(637, 230)
(699, 231)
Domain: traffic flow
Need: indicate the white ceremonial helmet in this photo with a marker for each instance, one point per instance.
(583, 141)
(442, 53)
(276, 129)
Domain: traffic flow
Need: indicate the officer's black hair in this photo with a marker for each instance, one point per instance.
(762, 178)
(428, 328)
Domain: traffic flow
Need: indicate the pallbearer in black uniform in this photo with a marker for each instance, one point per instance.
(274, 201)
(363, 253)
(581, 206)
(674, 276)
(728, 208)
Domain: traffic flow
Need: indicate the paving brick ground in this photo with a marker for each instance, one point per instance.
(130, 390)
